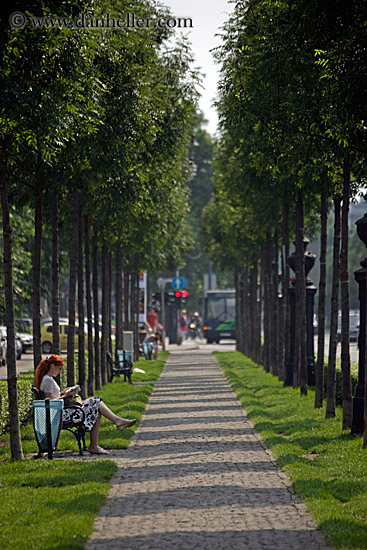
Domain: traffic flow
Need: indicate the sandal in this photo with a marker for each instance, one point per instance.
(126, 424)
(99, 451)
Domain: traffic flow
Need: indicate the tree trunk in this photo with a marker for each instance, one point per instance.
(262, 303)
(319, 390)
(72, 292)
(135, 313)
(270, 306)
(98, 378)
(252, 312)
(256, 309)
(104, 313)
(36, 300)
(81, 333)
(267, 311)
(330, 394)
(109, 303)
(15, 439)
(88, 297)
(274, 302)
(108, 311)
(238, 321)
(344, 294)
(286, 313)
(301, 356)
(118, 298)
(245, 316)
(126, 298)
(55, 275)
(365, 392)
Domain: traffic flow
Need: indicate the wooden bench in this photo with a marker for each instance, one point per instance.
(123, 365)
(73, 422)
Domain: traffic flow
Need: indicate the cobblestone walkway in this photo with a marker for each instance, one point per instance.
(197, 476)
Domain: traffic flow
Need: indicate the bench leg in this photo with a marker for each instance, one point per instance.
(127, 376)
(85, 448)
(80, 446)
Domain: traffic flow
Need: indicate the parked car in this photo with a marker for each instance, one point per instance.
(353, 325)
(315, 323)
(3, 346)
(47, 339)
(18, 347)
(26, 340)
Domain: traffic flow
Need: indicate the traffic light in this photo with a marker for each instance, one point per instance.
(169, 299)
(176, 298)
(178, 295)
(184, 295)
(181, 296)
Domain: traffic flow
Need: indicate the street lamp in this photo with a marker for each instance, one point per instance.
(310, 295)
(361, 277)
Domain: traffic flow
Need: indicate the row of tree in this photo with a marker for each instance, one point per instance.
(292, 142)
(94, 129)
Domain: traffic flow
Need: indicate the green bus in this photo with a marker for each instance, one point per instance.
(219, 313)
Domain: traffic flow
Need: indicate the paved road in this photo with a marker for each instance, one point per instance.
(24, 364)
(197, 476)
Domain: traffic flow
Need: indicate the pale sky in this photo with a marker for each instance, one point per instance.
(207, 18)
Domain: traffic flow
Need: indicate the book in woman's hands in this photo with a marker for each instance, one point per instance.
(75, 388)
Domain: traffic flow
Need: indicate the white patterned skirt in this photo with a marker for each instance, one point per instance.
(91, 411)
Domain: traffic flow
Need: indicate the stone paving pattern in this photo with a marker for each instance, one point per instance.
(198, 476)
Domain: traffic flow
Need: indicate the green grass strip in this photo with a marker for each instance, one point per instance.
(327, 466)
(51, 504)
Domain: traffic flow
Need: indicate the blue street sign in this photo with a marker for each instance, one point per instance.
(179, 282)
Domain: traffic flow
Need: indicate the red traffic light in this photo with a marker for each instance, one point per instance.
(185, 293)
(178, 294)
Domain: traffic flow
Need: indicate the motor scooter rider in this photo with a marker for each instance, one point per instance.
(195, 319)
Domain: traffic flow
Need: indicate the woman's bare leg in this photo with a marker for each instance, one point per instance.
(107, 413)
(94, 435)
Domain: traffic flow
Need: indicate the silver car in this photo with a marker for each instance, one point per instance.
(3, 346)
(26, 341)
(353, 325)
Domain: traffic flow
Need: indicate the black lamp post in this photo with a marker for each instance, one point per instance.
(289, 365)
(361, 278)
(310, 294)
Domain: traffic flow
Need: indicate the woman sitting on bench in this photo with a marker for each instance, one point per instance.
(94, 408)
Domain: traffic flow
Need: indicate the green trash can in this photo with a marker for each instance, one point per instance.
(47, 423)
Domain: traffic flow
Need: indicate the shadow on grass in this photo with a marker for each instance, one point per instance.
(47, 474)
(318, 488)
(356, 530)
(289, 429)
(303, 443)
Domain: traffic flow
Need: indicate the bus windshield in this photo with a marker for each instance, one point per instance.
(220, 307)
(219, 315)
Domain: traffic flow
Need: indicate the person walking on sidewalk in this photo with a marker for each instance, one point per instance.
(183, 324)
(94, 408)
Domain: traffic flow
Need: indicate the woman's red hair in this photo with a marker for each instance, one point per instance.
(44, 367)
